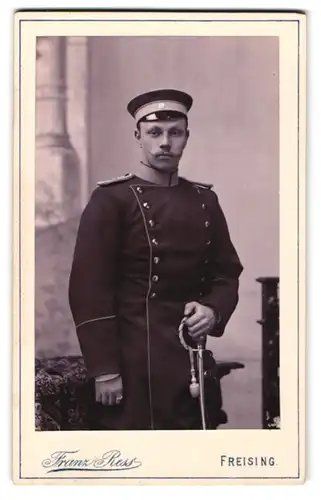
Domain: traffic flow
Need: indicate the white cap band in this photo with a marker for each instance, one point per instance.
(156, 106)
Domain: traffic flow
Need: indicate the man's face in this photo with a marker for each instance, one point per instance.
(162, 143)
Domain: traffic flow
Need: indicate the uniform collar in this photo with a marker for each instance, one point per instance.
(155, 176)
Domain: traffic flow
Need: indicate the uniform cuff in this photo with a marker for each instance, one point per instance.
(106, 377)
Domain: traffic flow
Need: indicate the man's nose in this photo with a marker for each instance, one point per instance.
(165, 141)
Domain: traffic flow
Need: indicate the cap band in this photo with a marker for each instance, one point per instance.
(154, 107)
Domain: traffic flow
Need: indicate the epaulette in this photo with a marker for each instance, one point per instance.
(203, 185)
(200, 184)
(121, 178)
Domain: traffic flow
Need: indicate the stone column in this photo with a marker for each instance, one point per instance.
(59, 156)
(77, 119)
(57, 164)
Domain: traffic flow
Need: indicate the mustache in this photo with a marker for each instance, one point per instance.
(166, 153)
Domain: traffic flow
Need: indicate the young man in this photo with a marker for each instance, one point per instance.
(152, 249)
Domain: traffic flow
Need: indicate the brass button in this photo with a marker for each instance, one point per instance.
(206, 261)
(151, 223)
(155, 278)
(153, 295)
(201, 294)
(208, 242)
(146, 205)
(207, 223)
(156, 260)
(154, 241)
(139, 190)
(203, 206)
(203, 279)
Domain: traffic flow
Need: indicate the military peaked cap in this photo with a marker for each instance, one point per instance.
(160, 104)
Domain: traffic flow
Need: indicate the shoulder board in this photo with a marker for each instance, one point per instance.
(199, 184)
(203, 185)
(122, 178)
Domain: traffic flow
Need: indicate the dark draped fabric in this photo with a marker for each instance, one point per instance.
(64, 394)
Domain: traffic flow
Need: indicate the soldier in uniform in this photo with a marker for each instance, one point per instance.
(152, 248)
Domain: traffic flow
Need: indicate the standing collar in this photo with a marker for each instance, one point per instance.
(156, 176)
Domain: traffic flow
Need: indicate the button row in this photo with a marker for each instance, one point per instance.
(155, 241)
(146, 204)
(207, 222)
(156, 259)
(155, 279)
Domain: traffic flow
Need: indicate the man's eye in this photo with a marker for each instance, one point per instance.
(154, 133)
(176, 132)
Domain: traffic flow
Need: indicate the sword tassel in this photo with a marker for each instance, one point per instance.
(196, 387)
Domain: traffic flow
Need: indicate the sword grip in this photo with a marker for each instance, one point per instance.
(201, 342)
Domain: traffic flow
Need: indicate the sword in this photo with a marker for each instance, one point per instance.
(196, 386)
(200, 352)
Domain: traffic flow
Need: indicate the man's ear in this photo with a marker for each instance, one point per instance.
(187, 135)
(137, 134)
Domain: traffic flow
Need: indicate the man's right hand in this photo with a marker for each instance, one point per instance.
(109, 392)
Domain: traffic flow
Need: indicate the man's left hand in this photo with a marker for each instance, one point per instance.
(200, 320)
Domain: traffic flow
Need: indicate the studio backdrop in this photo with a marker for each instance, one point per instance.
(84, 134)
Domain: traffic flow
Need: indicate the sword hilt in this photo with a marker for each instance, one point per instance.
(196, 388)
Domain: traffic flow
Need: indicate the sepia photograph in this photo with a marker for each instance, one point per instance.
(156, 237)
(156, 209)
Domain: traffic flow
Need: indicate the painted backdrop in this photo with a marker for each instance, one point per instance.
(84, 134)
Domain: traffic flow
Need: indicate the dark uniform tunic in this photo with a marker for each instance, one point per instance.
(143, 251)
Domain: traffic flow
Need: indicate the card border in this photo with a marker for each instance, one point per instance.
(172, 478)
